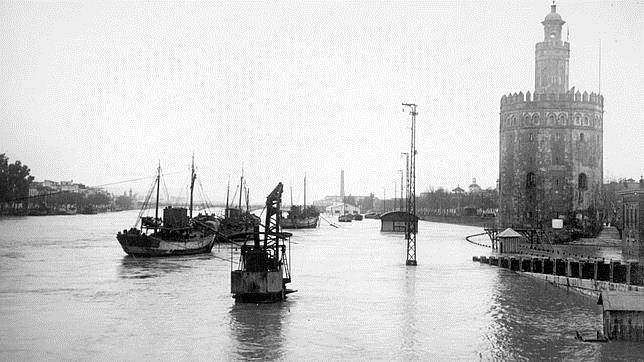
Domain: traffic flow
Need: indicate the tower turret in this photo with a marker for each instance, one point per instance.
(551, 57)
(552, 25)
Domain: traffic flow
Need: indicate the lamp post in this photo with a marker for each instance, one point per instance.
(406, 154)
(384, 200)
(401, 189)
(395, 196)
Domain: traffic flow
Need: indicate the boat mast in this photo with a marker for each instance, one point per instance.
(227, 195)
(156, 212)
(304, 207)
(247, 200)
(241, 188)
(192, 182)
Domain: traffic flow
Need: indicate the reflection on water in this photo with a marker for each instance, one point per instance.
(143, 268)
(257, 330)
(409, 328)
(532, 319)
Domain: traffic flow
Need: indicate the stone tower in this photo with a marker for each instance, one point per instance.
(551, 146)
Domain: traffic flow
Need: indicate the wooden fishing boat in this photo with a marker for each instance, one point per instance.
(301, 217)
(176, 233)
(238, 223)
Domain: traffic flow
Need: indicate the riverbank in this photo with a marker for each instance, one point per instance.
(57, 212)
(460, 220)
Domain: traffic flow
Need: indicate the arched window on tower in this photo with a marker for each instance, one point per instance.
(581, 137)
(562, 119)
(582, 182)
(530, 180)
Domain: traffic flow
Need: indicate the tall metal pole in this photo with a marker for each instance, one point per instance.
(384, 200)
(401, 189)
(395, 196)
(406, 174)
(410, 228)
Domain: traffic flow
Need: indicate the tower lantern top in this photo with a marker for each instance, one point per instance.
(552, 24)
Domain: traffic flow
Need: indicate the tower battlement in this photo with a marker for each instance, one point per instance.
(547, 45)
(570, 96)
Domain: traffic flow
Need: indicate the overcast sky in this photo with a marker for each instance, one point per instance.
(99, 92)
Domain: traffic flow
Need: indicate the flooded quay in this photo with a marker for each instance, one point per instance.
(67, 291)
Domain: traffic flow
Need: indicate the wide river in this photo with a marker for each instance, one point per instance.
(68, 292)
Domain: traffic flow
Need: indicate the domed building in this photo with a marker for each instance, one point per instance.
(474, 188)
(551, 146)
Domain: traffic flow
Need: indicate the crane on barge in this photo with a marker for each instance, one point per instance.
(264, 269)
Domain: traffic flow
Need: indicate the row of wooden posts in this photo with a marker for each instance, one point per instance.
(612, 271)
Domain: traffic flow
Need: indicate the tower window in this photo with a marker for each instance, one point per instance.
(531, 137)
(582, 181)
(530, 180)
(581, 137)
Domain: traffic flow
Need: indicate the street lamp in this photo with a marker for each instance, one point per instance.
(406, 154)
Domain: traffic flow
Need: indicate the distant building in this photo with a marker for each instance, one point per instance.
(339, 208)
(69, 186)
(632, 204)
(40, 191)
(331, 200)
(551, 146)
(474, 187)
(611, 204)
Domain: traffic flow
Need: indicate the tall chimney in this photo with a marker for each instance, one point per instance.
(342, 185)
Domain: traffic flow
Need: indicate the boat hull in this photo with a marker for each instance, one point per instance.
(237, 228)
(142, 245)
(236, 234)
(300, 223)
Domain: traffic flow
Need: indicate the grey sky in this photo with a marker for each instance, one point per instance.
(98, 92)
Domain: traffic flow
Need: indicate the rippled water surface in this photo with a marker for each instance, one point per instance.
(67, 291)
